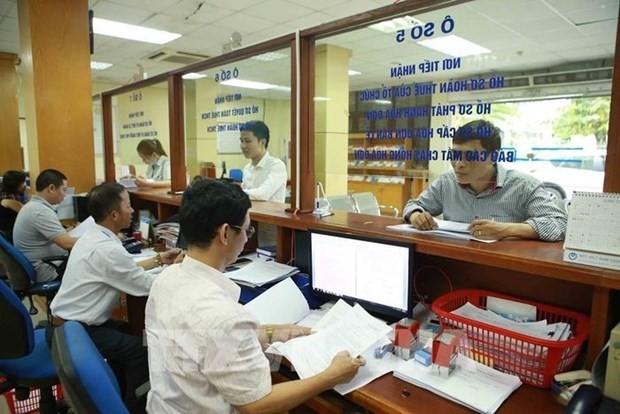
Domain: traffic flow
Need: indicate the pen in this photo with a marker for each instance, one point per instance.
(318, 189)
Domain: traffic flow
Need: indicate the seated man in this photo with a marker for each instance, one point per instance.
(265, 177)
(498, 203)
(204, 350)
(38, 232)
(99, 269)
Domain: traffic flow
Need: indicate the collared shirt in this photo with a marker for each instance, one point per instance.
(266, 180)
(159, 170)
(204, 353)
(36, 226)
(516, 198)
(99, 268)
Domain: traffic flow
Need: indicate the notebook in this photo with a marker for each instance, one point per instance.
(594, 223)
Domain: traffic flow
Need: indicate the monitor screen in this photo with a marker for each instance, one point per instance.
(373, 272)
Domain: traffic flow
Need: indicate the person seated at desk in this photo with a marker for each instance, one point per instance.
(158, 172)
(99, 269)
(498, 203)
(13, 196)
(38, 232)
(264, 178)
(205, 355)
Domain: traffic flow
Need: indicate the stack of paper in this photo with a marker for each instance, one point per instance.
(259, 271)
(82, 228)
(471, 384)
(444, 228)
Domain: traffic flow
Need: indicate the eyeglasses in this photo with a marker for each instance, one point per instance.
(249, 232)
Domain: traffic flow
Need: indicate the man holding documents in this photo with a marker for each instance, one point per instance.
(497, 203)
(99, 269)
(38, 232)
(204, 348)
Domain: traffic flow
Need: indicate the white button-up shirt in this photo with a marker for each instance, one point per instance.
(265, 181)
(99, 268)
(159, 170)
(204, 353)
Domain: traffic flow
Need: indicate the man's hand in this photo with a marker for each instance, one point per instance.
(422, 220)
(168, 257)
(343, 368)
(489, 229)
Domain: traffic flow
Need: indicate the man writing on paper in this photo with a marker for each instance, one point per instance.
(264, 178)
(99, 269)
(37, 232)
(498, 203)
(205, 355)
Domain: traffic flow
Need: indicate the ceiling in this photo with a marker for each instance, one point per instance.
(523, 35)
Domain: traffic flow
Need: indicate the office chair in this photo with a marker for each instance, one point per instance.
(25, 357)
(87, 379)
(22, 276)
(341, 202)
(367, 203)
(236, 175)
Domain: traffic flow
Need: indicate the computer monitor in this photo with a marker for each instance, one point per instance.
(372, 272)
(181, 242)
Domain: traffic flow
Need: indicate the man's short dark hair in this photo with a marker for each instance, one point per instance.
(258, 128)
(207, 204)
(489, 135)
(11, 180)
(104, 199)
(49, 177)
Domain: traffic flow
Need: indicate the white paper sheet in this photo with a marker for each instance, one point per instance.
(454, 234)
(83, 227)
(282, 303)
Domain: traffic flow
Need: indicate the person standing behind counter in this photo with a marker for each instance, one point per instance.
(158, 172)
(498, 203)
(265, 177)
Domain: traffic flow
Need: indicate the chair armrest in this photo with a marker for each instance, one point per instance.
(393, 209)
(52, 261)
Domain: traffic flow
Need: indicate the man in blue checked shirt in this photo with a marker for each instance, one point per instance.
(498, 203)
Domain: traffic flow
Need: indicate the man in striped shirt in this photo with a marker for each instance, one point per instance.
(498, 203)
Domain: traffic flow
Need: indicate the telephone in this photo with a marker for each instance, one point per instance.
(589, 399)
(132, 245)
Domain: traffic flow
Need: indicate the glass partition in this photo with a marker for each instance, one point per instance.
(98, 138)
(218, 100)
(389, 96)
(141, 114)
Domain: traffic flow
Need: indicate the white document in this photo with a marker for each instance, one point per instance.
(260, 271)
(356, 331)
(471, 384)
(145, 254)
(128, 183)
(65, 210)
(83, 227)
(336, 312)
(457, 234)
(280, 304)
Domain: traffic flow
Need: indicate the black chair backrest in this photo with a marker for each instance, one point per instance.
(19, 270)
(15, 325)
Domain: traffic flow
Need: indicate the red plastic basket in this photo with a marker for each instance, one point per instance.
(532, 359)
(30, 404)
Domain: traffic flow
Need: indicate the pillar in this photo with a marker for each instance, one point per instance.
(10, 147)
(56, 87)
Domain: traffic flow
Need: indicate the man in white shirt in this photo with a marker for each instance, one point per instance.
(204, 350)
(38, 232)
(99, 269)
(264, 178)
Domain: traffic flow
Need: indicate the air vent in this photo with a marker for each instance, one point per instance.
(175, 56)
(572, 77)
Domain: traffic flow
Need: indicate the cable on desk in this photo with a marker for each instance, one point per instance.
(421, 297)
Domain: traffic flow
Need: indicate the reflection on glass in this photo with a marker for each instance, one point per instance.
(220, 100)
(544, 82)
(140, 118)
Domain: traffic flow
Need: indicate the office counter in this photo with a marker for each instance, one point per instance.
(529, 269)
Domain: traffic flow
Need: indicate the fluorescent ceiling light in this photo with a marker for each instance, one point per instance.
(391, 26)
(132, 32)
(382, 102)
(282, 88)
(99, 65)
(193, 75)
(354, 72)
(321, 99)
(240, 83)
(454, 46)
(270, 56)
